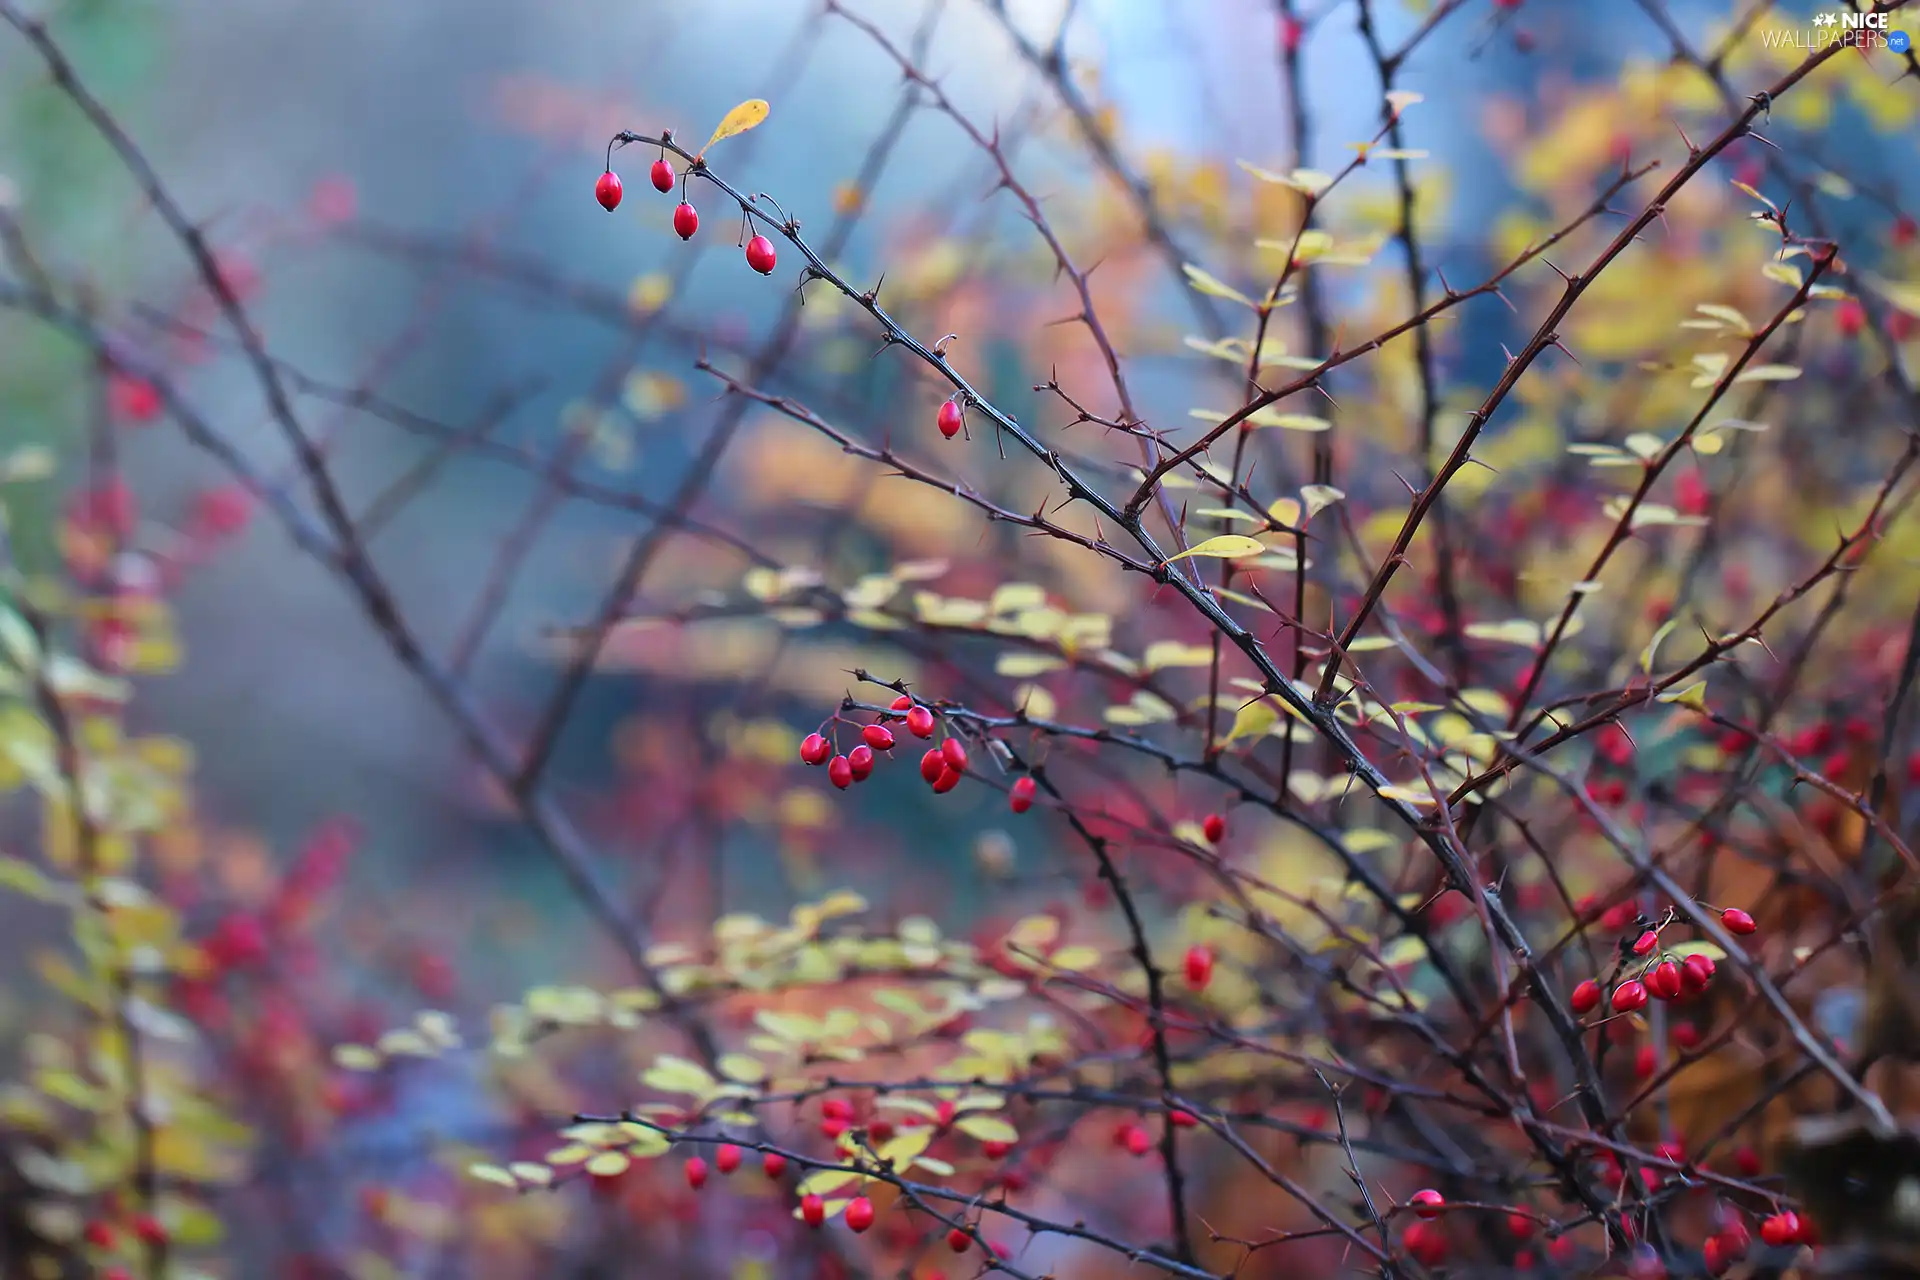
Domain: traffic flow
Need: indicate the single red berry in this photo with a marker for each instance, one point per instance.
(1020, 799)
(686, 221)
(1214, 827)
(727, 1158)
(1520, 1226)
(1617, 917)
(840, 772)
(1291, 30)
(837, 1109)
(131, 399)
(1644, 1061)
(879, 1130)
(1199, 967)
(760, 255)
(222, 511)
(901, 703)
(1905, 229)
(1628, 996)
(995, 1150)
(147, 1229)
(932, 765)
(815, 749)
(1737, 921)
(1561, 1248)
(1686, 1036)
(1138, 1140)
(696, 1173)
(1664, 981)
(859, 1213)
(959, 1241)
(607, 191)
(662, 175)
(813, 1210)
(955, 753)
(950, 419)
(1182, 1119)
(1645, 943)
(1696, 974)
(1427, 1202)
(773, 1164)
(1747, 1162)
(1781, 1229)
(833, 1126)
(860, 760)
(920, 722)
(99, 1234)
(1717, 1254)
(947, 781)
(1850, 317)
(1586, 998)
(878, 736)
(1427, 1243)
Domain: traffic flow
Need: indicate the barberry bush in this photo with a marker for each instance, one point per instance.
(1206, 714)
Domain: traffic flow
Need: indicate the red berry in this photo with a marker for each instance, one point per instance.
(99, 1234)
(686, 221)
(813, 1210)
(1628, 996)
(1644, 1061)
(1781, 1229)
(1719, 1253)
(920, 722)
(1290, 32)
(1138, 1140)
(222, 512)
(662, 174)
(901, 703)
(859, 1213)
(1697, 973)
(696, 1173)
(1690, 494)
(1214, 827)
(1686, 1036)
(860, 761)
(950, 419)
(1182, 1119)
(1747, 1161)
(878, 736)
(1561, 1248)
(1199, 967)
(832, 1127)
(958, 1240)
(131, 399)
(1904, 230)
(148, 1230)
(607, 191)
(760, 255)
(1618, 917)
(1737, 921)
(1645, 943)
(840, 772)
(947, 781)
(727, 1158)
(1520, 1226)
(1427, 1243)
(955, 753)
(815, 749)
(1664, 981)
(995, 1150)
(837, 1109)
(932, 765)
(1427, 1202)
(1586, 998)
(1020, 799)
(773, 1164)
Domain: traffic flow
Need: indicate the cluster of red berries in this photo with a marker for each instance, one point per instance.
(1661, 978)
(686, 219)
(941, 767)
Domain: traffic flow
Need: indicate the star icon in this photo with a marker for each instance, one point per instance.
(1825, 20)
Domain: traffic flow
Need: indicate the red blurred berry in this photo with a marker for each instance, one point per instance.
(1520, 1226)
(813, 1210)
(950, 419)
(1746, 1161)
(773, 1164)
(1628, 996)
(727, 1158)
(995, 1150)
(1137, 1140)
(1850, 317)
(100, 1234)
(1214, 827)
(607, 191)
(815, 749)
(1618, 917)
(131, 399)
(1020, 799)
(1734, 920)
(1585, 998)
(1686, 1036)
(1690, 495)
(1427, 1243)
(1645, 1061)
(878, 736)
(1199, 966)
(920, 722)
(221, 512)
(662, 175)
(1781, 1229)
(859, 1213)
(696, 1173)
(686, 220)
(147, 1230)
(1427, 1202)
(840, 772)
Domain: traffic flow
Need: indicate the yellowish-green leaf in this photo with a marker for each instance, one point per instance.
(670, 1074)
(987, 1128)
(493, 1173)
(1213, 286)
(825, 1181)
(609, 1164)
(748, 115)
(1227, 546)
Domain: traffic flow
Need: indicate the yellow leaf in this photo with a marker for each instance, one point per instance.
(1019, 666)
(742, 1067)
(1254, 718)
(1213, 286)
(1228, 546)
(609, 1164)
(1174, 653)
(987, 1128)
(1074, 959)
(747, 115)
(677, 1075)
(493, 1173)
(822, 1181)
(901, 1151)
(1694, 696)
